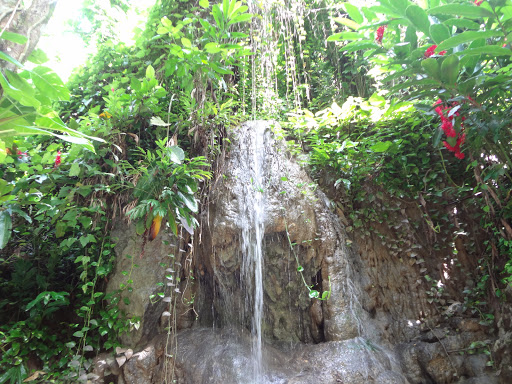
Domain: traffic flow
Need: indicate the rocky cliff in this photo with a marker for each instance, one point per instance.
(378, 325)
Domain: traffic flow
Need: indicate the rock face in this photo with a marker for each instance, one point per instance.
(293, 212)
(143, 272)
(374, 327)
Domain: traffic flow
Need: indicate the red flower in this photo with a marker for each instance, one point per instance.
(380, 34)
(449, 131)
(447, 127)
(57, 160)
(21, 154)
(456, 147)
(478, 2)
(430, 51)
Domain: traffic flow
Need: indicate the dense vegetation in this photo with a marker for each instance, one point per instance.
(411, 99)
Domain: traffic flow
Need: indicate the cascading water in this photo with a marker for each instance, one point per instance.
(250, 281)
(252, 211)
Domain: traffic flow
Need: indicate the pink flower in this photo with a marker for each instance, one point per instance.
(478, 2)
(57, 160)
(380, 33)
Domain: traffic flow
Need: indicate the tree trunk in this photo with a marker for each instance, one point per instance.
(27, 20)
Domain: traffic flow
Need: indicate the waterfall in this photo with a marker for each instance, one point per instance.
(252, 212)
(262, 204)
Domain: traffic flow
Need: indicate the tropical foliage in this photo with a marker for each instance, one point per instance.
(397, 101)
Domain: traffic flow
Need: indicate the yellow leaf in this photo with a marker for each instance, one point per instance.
(155, 227)
(34, 376)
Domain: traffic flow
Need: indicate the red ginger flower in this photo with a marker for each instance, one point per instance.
(380, 33)
(449, 131)
(431, 50)
(478, 2)
(456, 147)
(57, 160)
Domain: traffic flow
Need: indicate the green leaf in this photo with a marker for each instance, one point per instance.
(467, 87)
(135, 84)
(5, 187)
(84, 240)
(6, 57)
(464, 10)
(49, 84)
(60, 229)
(176, 154)
(150, 72)
(204, 4)
(465, 37)
(217, 15)
(342, 36)
(186, 42)
(354, 13)
(25, 98)
(212, 47)
(21, 213)
(359, 45)
(156, 120)
(461, 23)
(162, 30)
(14, 37)
(347, 22)
(450, 69)
(190, 201)
(221, 70)
(398, 5)
(37, 56)
(381, 146)
(78, 334)
(385, 10)
(418, 18)
(439, 33)
(140, 227)
(240, 18)
(5, 228)
(225, 7)
(437, 137)
(237, 8)
(411, 37)
(74, 170)
(491, 50)
(172, 223)
(431, 66)
(3, 151)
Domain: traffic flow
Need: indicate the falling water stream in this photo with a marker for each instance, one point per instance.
(252, 209)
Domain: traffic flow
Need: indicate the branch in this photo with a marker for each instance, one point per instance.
(10, 19)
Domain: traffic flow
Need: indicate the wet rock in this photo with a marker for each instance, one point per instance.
(294, 212)
(140, 369)
(138, 276)
(210, 356)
